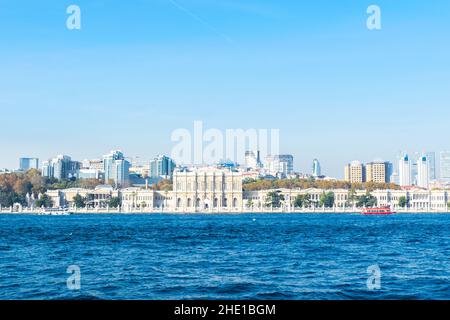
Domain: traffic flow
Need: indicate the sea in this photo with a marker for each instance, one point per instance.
(225, 256)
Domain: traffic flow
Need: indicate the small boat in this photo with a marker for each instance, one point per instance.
(55, 212)
(378, 210)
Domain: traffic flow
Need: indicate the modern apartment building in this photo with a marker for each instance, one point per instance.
(26, 164)
(116, 169)
(61, 167)
(162, 167)
(355, 172)
(379, 172)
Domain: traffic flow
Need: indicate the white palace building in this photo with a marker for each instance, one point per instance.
(214, 189)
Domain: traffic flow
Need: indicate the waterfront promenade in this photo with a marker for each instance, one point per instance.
(218, 211)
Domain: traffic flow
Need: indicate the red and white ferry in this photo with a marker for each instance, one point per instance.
(379, 210)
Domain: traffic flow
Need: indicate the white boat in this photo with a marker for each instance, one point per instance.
(55, 212)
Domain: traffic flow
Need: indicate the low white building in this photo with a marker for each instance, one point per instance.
(95, 198)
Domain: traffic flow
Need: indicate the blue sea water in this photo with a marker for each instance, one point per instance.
(252, 256)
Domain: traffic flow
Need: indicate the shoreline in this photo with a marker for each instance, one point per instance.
(206, 213)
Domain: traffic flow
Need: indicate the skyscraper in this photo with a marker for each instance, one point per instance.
(404, 171)
(282, 164)
(61, 167)
(289, 160)
(414, 159)
(121, 173)
(445, 165)
(431, 156)
(108, 164)
(316, 171)
(162, 167)
(423, 179)
(26, 164)
(116, 168)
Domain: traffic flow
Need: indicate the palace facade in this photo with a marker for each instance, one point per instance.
(214, 189)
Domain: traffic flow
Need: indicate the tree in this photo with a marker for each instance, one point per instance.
(163, 185)
(302, 200)
(8, 199)
(274, 199)
(115, 202)
(403, 202)
(366, 201)
(79, 201)
(264, 184)
(44, 201)
(352, 196)
(327, 199)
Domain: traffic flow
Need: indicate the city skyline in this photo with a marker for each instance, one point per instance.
(393, 171)
(317, 73)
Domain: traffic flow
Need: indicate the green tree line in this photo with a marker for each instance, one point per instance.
(14, 187)
(266, 184)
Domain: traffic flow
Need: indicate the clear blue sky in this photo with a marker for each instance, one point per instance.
(139, 69)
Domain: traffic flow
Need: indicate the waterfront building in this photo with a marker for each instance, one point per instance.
(316, 171)
(423, 172)
(445, 165)
(379, 172)
(95, 198)
(257, 200)
(162, 167)
(214, 192)
(61, 167)
(26, 164)
(404, 168)
(417, 199)
(209, 188)
(355, 172)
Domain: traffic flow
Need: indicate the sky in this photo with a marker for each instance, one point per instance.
(138, 70)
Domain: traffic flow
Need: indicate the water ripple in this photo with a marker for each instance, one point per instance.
(225, 256)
